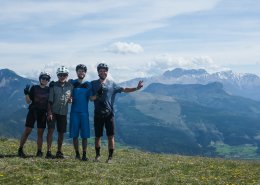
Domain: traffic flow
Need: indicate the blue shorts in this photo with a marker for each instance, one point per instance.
(79, 123)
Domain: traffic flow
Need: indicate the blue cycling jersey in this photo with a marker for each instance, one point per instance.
(80, 95)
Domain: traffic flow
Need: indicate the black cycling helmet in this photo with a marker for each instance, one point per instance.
(81, 66)
(102, 66)
(45, 74)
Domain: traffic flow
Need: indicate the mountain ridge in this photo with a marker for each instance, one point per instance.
(245, 85)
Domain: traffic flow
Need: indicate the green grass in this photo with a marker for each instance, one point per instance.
(129, 167)
(241, 151)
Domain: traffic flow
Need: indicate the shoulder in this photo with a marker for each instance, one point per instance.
(113, 83)
(94, 82)
(85, 85)
(52, 83)
(87, 82)
(68, 84)
(34, 86)
(72, 81)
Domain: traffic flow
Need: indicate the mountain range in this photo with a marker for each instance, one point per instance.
(240, 84)
(165, 117)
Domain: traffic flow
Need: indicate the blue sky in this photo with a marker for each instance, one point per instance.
(137, 38)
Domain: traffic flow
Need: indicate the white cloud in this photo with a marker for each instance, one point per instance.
(125, 48)
(168, 62)
(36, 32)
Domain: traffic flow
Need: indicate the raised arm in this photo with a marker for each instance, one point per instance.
(139, 86)
(26, 93)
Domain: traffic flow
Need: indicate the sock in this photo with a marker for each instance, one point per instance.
(84, 153)
(98, 151)
(77, 152)
(111, 151)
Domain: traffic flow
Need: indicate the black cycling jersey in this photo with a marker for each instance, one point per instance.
(39, 97)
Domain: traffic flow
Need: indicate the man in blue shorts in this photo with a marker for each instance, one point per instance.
(79, 115)
(104, 112)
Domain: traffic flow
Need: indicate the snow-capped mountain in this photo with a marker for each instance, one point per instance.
(240, 84)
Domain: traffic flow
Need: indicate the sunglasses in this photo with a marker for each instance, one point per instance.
(45, 78)
(62, 75)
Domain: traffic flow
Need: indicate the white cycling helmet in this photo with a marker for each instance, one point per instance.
(62, 70)
(44, 74)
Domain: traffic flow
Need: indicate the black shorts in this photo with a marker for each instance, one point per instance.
(100, 122)
(36, 115)
(60, 121)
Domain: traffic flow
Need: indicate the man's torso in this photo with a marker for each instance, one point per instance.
(59, 97)
(81, 94)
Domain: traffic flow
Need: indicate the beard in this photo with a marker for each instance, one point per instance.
(81, 77)
(102, 77)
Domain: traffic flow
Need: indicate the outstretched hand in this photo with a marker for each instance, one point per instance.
(26, 89)
(140, 84)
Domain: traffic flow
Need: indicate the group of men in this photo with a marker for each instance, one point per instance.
(48, 105)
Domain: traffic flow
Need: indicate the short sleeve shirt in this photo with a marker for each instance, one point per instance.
(39, 97)
(110, 89)
(59, 97)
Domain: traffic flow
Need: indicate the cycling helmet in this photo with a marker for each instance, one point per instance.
(62, 70)
(81, 66)
(102, 66)
(44, 74)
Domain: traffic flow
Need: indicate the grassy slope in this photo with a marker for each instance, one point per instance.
(129, 167)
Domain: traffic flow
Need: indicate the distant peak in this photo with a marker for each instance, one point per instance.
(7, 73)
(177, 72)
(232, 75)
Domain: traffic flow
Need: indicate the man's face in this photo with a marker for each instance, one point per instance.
(102, 73)
(81, 74)
(62, 77)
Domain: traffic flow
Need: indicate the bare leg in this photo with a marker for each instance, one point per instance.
(76, 144)
(97, 147)
(40, 138)
(49, 138)
(111, 146)
(111, 142)
(84, 144)
(60, 140)
(25, 135)
(97, 142)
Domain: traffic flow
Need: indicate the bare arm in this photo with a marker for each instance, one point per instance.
(27, 99)
(139, 86)
(93, 98)
(50, 116)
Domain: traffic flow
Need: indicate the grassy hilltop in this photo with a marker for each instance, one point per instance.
(129, 167)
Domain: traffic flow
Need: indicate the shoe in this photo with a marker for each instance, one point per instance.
(59, 155)
(39, 154)
(77, 156)
(21, 153)
(97, 158)
(84, 158)
(109, 160)
(49, 155)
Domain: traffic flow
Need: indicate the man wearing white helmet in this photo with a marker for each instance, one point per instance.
(37, 96)
(60, 96)
(104, 112)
